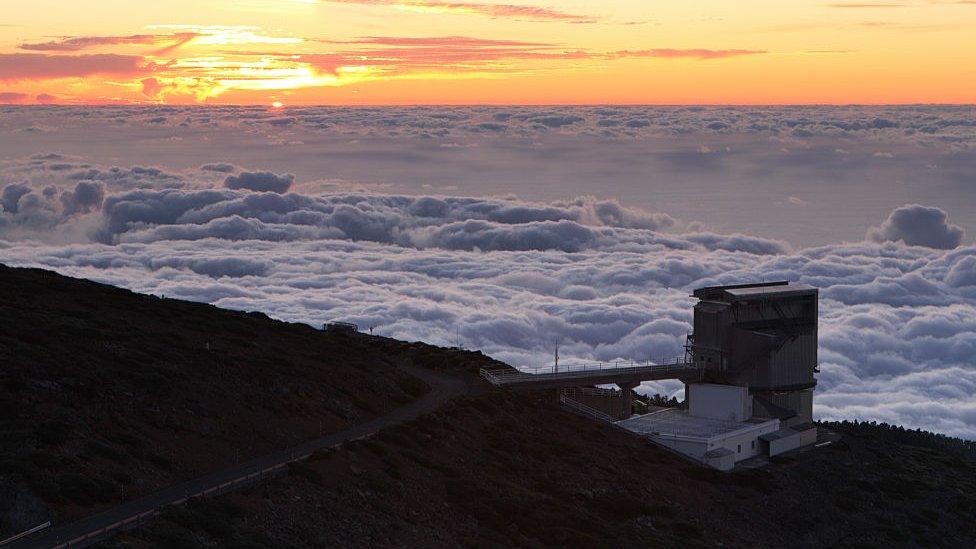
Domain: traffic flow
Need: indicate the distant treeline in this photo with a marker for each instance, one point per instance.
(662, 401)
(899, 434)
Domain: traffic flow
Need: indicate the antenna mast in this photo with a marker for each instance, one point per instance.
(555, 367)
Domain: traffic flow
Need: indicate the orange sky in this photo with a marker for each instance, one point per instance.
(482, 51)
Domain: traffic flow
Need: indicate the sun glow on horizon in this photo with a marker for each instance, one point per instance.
(438, 52)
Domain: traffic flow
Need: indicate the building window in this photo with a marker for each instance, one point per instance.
(753, 444)
(739, 448)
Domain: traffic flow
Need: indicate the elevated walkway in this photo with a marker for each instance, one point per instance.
(624, 374)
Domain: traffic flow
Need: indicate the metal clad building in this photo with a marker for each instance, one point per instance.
(764, 337)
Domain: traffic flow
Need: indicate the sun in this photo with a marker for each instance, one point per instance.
(277, 105)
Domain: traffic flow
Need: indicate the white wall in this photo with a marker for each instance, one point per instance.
(726, 402)
(693, 449)
(744, 445)
(808, 437)
(749, 441)
(784, 444)
(723, 463)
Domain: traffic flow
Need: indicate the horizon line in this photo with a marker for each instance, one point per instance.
(374, 105)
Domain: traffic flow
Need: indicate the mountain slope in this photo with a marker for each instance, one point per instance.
(105, 389)
(110, 394)
(514, 469)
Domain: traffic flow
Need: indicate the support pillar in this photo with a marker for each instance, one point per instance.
(627, 395)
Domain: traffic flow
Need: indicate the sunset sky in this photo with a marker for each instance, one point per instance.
(293, 52)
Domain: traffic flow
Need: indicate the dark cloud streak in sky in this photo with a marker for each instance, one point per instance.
(23, 66)
(507, 11)
(78, 43)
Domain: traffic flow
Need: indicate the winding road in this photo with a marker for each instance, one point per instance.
(96, 527)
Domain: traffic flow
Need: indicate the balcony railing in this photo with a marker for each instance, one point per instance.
(585, 370)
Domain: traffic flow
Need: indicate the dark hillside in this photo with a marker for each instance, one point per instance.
(104, 389)
(501, 469)
(884, 432)
(106, 392)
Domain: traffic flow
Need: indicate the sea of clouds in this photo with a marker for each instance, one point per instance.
(809, 175)
(513, 277)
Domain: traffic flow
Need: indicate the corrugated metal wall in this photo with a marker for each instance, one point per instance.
(753, 311)
(793, 364)
(710, 325)
(711, 321)
(769, 343)
(800, 402)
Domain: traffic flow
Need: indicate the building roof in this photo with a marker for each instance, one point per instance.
(711, 306)
(711, 292)
(757, 290)
(767, 291)
(678, 423)
(776, 435)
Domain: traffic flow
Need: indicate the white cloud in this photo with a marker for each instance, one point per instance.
(11, 195)
(607, 279)
(87, 196)
(918, 225)
(259, 181)
(896, 332)
(647, 157)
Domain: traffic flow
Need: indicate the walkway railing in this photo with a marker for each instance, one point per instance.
(577, 392)
(138, 520)
(569, 402)
(583, 371)
(25, 533)
(608, 365)
(89, 530)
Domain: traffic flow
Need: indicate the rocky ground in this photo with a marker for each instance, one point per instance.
(107, 394)
(105, 390)
(503, 469)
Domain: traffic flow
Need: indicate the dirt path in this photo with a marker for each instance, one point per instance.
(91, 529)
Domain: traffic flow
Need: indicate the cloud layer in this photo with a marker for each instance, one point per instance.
(603, 278)
(887, 126)
(897, 334)
(808, 175)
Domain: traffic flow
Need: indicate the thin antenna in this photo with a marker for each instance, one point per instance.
(556, 361)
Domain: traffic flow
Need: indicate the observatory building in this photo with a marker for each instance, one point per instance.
(764, 337)
(748, 371)
(754, 347)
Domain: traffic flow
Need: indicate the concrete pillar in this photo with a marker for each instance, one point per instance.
(627, 390)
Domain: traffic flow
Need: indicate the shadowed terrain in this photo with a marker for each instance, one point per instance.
(108, 394)
(514, 469)
(104, 388)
